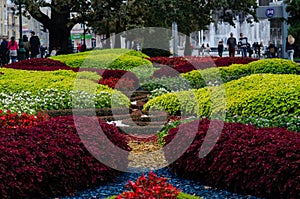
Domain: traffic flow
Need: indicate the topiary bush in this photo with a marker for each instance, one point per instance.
(260, 162)
(99, 58)
(154, 52)
(202, 78)
(170, 84)
(257, 95)
(126, 62)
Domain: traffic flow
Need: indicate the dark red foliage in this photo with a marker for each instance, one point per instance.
(165, 71)
(227, 61)
(261, 162)
(187, 64)
(37, 62)
(49, 159)
(117, 75)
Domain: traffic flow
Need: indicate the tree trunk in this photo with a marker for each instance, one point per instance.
(59, 32)
(117, 35)
(187, 47)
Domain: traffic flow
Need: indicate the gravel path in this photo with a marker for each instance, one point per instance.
(139, 158)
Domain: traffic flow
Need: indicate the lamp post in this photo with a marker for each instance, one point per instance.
(21, 53)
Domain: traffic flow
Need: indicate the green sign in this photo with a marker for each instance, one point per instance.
(80, 36)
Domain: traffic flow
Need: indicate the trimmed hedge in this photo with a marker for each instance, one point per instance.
(104, 59)
(235, 71)
(257, 95)
(126, 62)
(260, 162)
(49, 159)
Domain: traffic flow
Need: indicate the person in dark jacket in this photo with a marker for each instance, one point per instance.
(290, 47)
(34, 45)
(4, 51)
(231, 44)
(220, 48)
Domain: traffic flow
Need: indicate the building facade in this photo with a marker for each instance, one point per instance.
(3, 18)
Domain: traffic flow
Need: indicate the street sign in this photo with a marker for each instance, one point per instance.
(270, 12)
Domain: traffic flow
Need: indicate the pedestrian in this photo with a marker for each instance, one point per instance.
(34, 45)
(4, 51)
(79, 47)
(272, 50)
(290, 47)
(243, 44)
(53, 52)
(202, 49)
(26, 46)
(207, 49)
(43, 50)
(220, 48)
(13, 49)
(231, 45)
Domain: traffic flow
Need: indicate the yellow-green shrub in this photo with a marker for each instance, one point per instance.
(216, 76)
(266, 95)
(126, 62)
(97, 58)
(16, 81)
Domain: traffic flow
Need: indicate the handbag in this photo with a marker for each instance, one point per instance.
(13, 53)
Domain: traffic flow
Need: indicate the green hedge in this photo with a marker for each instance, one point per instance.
(104, 59)
(126, 62)
(26, 87)
(266, 95)
(216, 76)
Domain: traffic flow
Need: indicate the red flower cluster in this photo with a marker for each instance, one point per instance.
(152, 188)
(263, 162)
(10, 120)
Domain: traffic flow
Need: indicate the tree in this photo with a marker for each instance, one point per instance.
(64, 15)
(194, 15)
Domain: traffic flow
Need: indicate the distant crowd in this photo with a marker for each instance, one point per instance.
(247, 50)
(9, 49)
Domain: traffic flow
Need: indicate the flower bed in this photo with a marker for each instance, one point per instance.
(261, 162)
(49, 159)
(186, 64)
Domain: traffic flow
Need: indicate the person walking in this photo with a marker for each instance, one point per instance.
(34, 45)
(4, 51)
(220, 48)
(231, 45)
(290, 47)
(13, 49)
(243, 44)
(26, 46)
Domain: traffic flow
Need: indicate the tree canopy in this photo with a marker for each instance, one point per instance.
(107, 16)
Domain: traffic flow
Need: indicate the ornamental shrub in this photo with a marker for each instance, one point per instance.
(107, 74)
(170, 84)
(165, 71)
(54, 99)
(262, 162)
(36, 62)
(126, 62)
(153, 187)
(96, 58)
(50, 160)
(154, 52)
(257, 95)
(200, 78)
